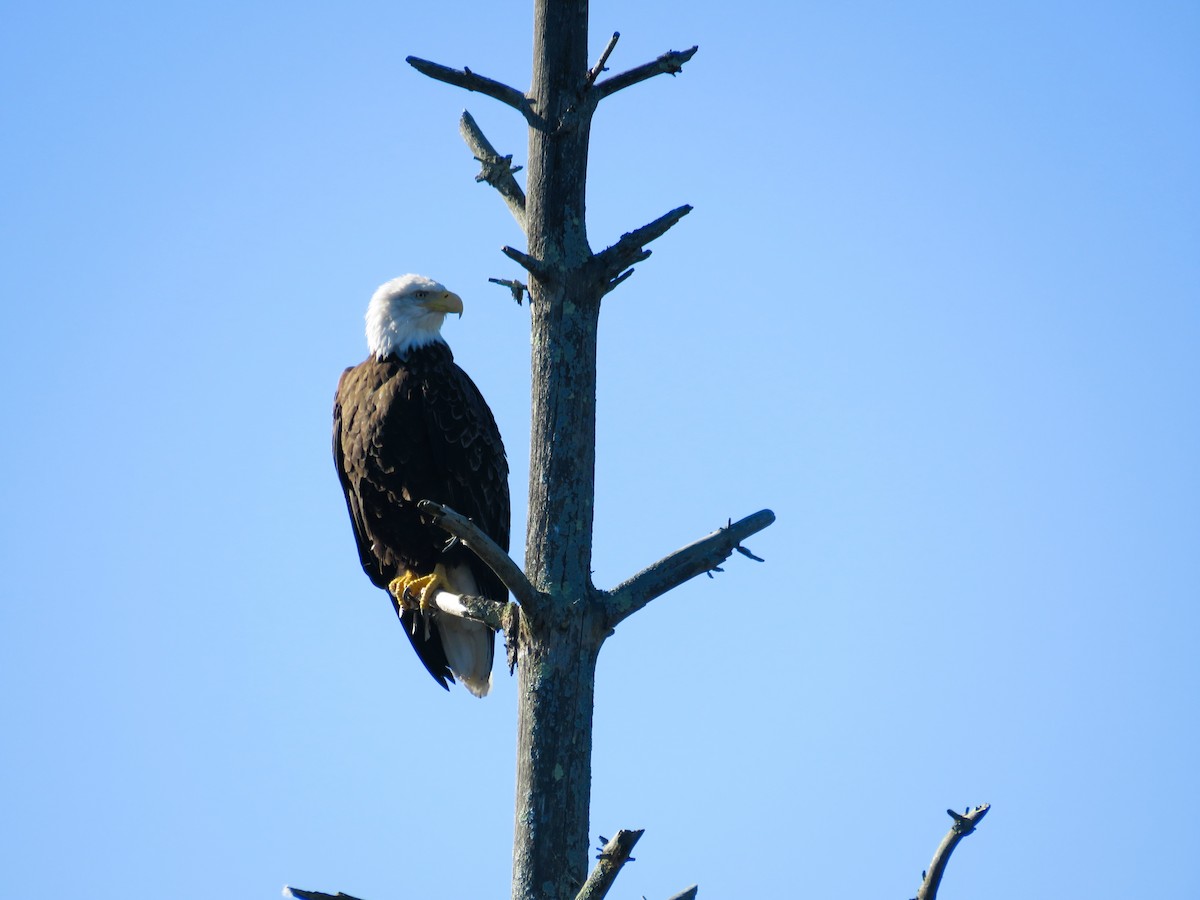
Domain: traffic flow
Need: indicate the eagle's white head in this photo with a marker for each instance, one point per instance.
(407, 312)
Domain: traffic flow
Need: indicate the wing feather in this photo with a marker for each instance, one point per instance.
(411, 431)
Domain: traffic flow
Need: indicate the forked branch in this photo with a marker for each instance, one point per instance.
(613, 855)
(703, 555)
(670, 63)
(530, 264)
(963, 825)
(483, 547)
(495, 169)
(465, 78)
(610, 265)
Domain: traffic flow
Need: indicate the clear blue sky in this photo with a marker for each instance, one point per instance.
(938, 306)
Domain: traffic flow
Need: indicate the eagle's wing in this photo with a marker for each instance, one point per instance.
(363, 483)
(473, 475)
(348, 475)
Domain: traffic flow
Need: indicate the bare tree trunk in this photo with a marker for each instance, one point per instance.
(560, 643)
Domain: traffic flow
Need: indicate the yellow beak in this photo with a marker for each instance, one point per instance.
(446, 302)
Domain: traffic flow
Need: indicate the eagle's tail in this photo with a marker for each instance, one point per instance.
(469, 645)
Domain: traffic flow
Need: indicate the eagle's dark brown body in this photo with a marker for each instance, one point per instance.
(411, 429)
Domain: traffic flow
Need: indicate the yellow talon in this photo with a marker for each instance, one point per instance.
(409, 586)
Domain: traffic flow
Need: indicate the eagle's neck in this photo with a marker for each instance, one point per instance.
(402, 346)
(420, 358)
(392, 331)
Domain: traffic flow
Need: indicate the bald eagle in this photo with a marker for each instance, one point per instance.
(410, 425)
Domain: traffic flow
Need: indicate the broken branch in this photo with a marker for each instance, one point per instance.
(612, 283)
(613, 856)
(700, 556)
(479, 609)
(517, 288)
(670, 63)
(495, 169)
(963, 825)
(482, 546)
(630, 249)
(595, 71)
(530, 264)
(465, 78)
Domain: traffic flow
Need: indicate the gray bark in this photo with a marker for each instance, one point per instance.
(560, 640)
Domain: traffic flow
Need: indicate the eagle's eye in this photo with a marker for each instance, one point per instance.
(421, 295)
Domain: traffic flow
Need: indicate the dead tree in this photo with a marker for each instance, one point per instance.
(564, 618)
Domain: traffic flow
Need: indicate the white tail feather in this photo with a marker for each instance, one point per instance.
(468, 644)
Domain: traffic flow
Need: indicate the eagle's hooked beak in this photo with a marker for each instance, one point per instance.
(445, 302)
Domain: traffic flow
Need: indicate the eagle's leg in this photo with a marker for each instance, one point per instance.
(416, 591)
